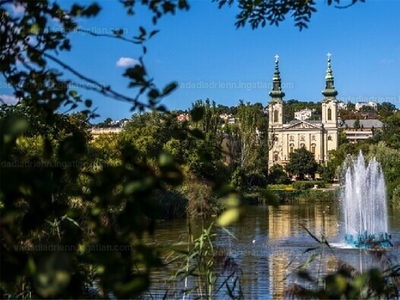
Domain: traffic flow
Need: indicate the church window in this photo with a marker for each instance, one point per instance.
(276, 138)
(329, 138)
(329, 114)
(276, 116)
(302, 145)
(291, 148)
(313, 149)
(313, 137)
(276, 156)
(302, 138)
(291, 138)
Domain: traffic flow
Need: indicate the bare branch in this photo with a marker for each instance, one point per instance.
(118, 37)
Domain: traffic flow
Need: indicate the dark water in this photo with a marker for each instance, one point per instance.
(267, 245)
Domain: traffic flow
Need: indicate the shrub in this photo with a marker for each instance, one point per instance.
(303, 185)
(318, 195)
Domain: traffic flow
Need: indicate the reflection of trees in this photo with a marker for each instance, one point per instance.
(288, 220)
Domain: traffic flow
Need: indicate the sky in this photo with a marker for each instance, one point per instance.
(203, 52)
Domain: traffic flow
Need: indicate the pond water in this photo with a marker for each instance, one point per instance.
(269, 243)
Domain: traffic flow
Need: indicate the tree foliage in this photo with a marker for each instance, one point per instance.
(247, 143)
(301, 163)
(277, 175)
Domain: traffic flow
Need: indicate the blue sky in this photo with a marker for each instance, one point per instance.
(209, 58)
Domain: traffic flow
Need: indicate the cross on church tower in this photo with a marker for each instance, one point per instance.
(329, 56)
(276, 58)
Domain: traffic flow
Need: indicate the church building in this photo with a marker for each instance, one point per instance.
(317, 136)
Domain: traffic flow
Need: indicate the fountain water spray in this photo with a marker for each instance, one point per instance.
(363, 202)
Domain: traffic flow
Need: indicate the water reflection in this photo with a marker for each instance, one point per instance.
(267, 241)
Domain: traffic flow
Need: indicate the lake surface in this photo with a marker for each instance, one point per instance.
(269, 243)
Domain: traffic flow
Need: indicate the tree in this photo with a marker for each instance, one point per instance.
(356, 124)
(247, 142)
(277, 175)
(327, 172)
(302, 162)
(342, 137)
(386, 109)
(273, 12)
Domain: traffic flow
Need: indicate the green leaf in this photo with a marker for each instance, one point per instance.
(154, 93)
(313, 236)
(154, 32)
(73, 93)
(169, 88)
(136, 73)
(228, 217)
(233, 200)
(165, 159)
(34, 29)
(12, 127)
(138, 185)
(92, 10)
(72, 221)
(88, 103)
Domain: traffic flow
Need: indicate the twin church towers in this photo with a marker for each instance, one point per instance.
(317, 136)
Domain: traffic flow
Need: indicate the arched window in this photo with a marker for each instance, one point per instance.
(276, 116)
(329, 114)
(302, 145)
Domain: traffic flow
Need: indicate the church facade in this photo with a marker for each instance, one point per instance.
(317, 136)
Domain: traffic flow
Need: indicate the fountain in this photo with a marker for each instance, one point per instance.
(363, 203)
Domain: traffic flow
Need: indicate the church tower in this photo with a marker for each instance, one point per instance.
(276, 103)
(329, 103)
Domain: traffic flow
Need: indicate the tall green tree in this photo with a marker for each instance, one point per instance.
(301, 163)
(356, 124)
(247, 142)
(386, 109)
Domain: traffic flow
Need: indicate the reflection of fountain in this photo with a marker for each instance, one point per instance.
(363, 201)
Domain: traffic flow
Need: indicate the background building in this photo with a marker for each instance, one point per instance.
(317, 136)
